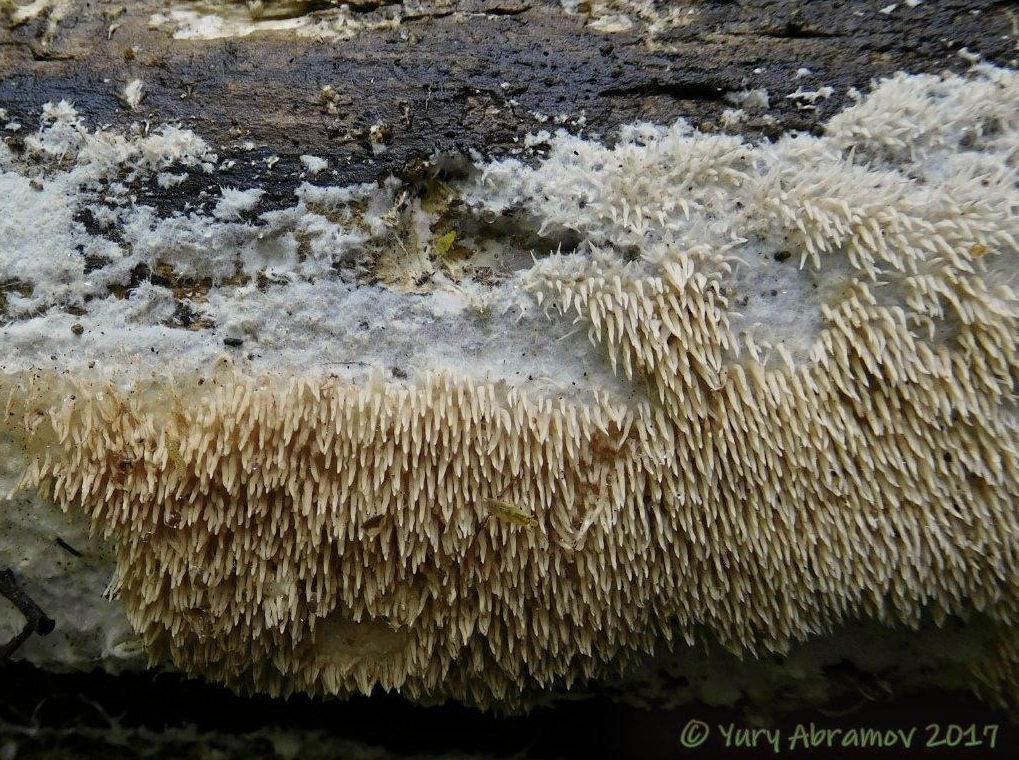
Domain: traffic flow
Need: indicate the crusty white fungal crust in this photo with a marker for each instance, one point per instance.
(780, 474)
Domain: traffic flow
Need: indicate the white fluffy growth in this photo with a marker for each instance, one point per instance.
(133, 94)
(314, 164)
(753, 99)
(234, 202)
(930, 149)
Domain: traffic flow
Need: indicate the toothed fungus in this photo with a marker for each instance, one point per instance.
(814, 419)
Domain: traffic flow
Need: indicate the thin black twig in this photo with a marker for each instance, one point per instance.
(36, 621)
(67, 547)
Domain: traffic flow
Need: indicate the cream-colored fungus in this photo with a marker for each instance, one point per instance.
(796, 407)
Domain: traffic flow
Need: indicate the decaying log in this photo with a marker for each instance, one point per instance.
(465, 75)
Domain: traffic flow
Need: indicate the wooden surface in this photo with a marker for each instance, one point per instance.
(474, 79)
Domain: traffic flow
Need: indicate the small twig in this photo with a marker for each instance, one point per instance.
(36, 621)
(67, 547)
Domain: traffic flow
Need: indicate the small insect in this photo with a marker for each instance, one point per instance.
(510, 512)
(173, 454)
(978, 250)
(443, 243)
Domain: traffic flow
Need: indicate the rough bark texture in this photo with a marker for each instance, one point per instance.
(474, 79)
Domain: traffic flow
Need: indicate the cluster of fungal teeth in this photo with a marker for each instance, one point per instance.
(448, 536)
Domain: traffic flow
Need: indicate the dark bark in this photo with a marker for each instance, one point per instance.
(453, 82)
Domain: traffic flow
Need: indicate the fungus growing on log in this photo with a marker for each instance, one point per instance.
(780, 443)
